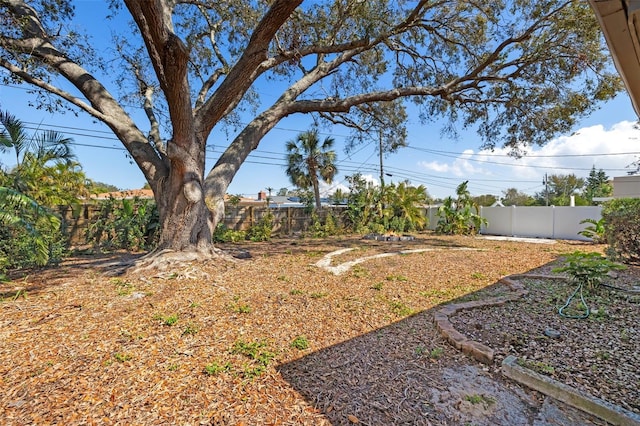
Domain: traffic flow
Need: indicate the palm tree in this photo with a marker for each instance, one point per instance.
(406, 202)
(309, 161)
(44, 163)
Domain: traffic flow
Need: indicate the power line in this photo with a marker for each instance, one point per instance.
(435, 151)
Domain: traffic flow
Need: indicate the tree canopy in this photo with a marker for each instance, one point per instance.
(519, 72)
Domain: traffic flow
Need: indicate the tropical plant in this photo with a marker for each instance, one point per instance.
(588, 269)
(309, 161)
(29, 233)
(45, 169)
(405, 207)
(595, 230)
(460, 215)
(129, 224)
(519, 72)
(361, 202)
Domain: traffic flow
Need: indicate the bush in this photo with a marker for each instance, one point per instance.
(125, 224)
(223, 234)
(322, 230)
(261, 231)
(588, 269)
(622, 229)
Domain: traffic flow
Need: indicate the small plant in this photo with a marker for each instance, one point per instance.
(400, 309)
(538, 366)
(478, 276)
(480, 399)
(377, 286)
(241, 308)
(252, 350)
(168, 320)
(396, 278)
(121, 357)
(124, 288)
(300, 343)
(295, 292)
(588, 269)
(190, 329)
(222, 234)
(216, 368)
(318, 295)
(436, 353)
(261, 231)
(258, 353)
(359, 272)
(173, 367)
(595, 231)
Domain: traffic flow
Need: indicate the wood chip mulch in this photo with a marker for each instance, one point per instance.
(224, 342)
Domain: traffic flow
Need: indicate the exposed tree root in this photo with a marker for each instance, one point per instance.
(169, 263)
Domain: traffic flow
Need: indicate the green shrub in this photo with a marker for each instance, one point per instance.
(622, 229)
(322, 230)
(125, 224)
(223, 234)
(30, 234)
(261, 231)
(588, 268)
(595, 230)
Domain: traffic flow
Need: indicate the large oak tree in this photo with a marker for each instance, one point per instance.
(517, 71)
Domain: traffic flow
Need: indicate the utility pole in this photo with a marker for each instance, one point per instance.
(381, 169)
(545, 182)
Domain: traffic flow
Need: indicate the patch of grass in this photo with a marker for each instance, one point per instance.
(300, 343)
(318, 295)
(377, 286)
(359, 271)
(169, 320)
(537, 366)
(480, 399)
(123, 288)
(173, 367)
(399, 308)
(396, 278)
(241, 308)
(436, 353)
(439, 295)
(295, 292)
(478, 276)
(122, 357)
(257, 351)
(190, 329)
(215, 368)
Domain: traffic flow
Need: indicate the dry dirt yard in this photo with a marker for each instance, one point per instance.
(274, 339)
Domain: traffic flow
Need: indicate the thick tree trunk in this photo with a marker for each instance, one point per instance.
(185, 220)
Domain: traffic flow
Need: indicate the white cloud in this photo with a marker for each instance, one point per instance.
(494, 171)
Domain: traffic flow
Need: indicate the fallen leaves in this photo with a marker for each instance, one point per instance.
(57, 345)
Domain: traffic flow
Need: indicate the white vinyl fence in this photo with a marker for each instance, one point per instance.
(533, 222)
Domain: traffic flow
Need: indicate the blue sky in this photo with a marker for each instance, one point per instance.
(605, 139)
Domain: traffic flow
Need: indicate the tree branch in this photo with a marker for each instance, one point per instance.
(244, 72)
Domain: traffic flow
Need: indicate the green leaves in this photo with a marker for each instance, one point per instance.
(588, 268)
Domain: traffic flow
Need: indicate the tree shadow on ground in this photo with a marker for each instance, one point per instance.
(407, 374)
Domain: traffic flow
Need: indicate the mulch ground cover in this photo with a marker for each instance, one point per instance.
(267, 339)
